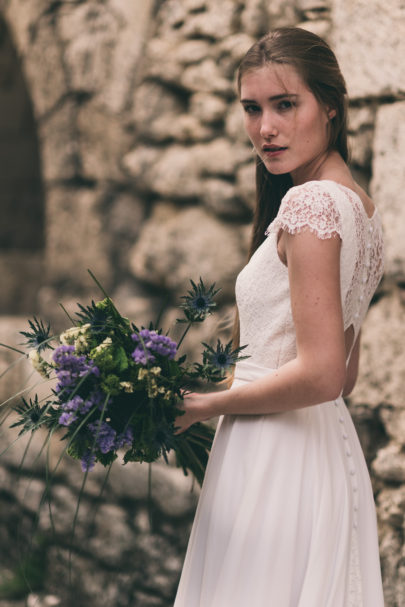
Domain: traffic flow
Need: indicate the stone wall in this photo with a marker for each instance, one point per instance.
(148, 179)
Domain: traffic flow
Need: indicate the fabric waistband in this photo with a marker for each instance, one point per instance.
(246, 371)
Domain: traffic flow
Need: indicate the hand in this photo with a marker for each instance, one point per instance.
(196, 408)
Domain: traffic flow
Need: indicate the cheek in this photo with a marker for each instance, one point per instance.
(251, 128)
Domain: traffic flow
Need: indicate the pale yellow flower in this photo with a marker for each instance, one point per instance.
(68, 337)
(40, 365)
(127, 386)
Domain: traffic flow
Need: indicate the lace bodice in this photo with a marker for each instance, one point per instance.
(262, 288)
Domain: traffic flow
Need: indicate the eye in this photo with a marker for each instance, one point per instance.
(285, 104)
(251, 108)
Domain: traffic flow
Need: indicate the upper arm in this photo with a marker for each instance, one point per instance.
(314, 276)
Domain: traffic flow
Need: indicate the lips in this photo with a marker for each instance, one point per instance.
(273, 150)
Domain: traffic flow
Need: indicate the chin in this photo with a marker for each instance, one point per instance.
(275, 170)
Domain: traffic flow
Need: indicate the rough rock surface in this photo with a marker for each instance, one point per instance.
(389, 182)
(361, 29)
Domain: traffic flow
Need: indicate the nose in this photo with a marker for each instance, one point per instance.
(268, 126)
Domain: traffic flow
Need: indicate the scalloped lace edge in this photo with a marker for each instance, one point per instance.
(278, 225)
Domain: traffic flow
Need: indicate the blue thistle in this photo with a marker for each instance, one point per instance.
(217, 362)
(199, 302)
(39, 336)
(32, 415)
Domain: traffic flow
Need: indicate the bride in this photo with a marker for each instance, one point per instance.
(286, 516)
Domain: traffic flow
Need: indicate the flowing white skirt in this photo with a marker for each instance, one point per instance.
(286, 516)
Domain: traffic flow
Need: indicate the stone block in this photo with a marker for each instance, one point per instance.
(369, 40)
(178, 171)
(236, 46)
(135, 21)
(361, 118)
(388, 183)
(160, 115)
(21, 276)
(59, 143)
(393, 419)
(49, 84)
(102, 140)
(234, 127)
(185, 129)
(178, 245)
(159, 64)
(389, 465)
(22, 17)
(361, 148)
(152, 102)
(215, 24)
(382, 358)
(76, 238)
(221, 197)
(193, 51)
(320, 27)
(208, 108)
(391, 506)
(89, 33)
(206, 77)
(254, 18)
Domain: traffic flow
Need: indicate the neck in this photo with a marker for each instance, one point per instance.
(317, 169)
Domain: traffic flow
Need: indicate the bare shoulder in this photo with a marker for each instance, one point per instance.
(365, 199)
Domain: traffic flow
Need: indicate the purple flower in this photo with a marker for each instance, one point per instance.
(88, 461)
(150, 342)
(74, 404)
(142, 356)
(105, 436)
(67, 418)
(96, 398)
(71, 368)
(124, 439)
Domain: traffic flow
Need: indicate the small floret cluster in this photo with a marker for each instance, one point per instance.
(71, 368)
(150, 343)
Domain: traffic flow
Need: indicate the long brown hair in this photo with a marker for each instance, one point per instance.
(317, 66)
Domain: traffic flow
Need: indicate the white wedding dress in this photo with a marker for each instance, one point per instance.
(286, 516)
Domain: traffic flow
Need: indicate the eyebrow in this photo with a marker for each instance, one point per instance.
(273, 98)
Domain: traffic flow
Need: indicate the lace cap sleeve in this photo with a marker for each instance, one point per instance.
(308, 207)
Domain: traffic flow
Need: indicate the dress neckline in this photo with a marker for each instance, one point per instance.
(353, 193)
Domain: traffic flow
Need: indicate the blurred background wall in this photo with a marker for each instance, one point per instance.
(122, 150)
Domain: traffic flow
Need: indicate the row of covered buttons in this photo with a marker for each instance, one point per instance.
(352, 469)
(367, 264)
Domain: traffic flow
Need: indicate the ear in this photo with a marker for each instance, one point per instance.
(331, 113)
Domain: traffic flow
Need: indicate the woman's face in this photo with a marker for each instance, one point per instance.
(285, 122)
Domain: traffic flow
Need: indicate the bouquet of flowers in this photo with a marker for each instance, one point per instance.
(119, 386)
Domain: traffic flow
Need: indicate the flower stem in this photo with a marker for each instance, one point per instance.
(184, 334)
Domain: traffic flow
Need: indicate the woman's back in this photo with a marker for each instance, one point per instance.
(262, 288)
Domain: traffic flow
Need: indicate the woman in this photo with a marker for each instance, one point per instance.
(286, 516)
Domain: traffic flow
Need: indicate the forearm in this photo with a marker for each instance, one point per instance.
(290, 387)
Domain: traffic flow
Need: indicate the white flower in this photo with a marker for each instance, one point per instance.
(39, 363)
(68, 337)
(127, 386)
(104, 344)
(81, 344)
(142, 373)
